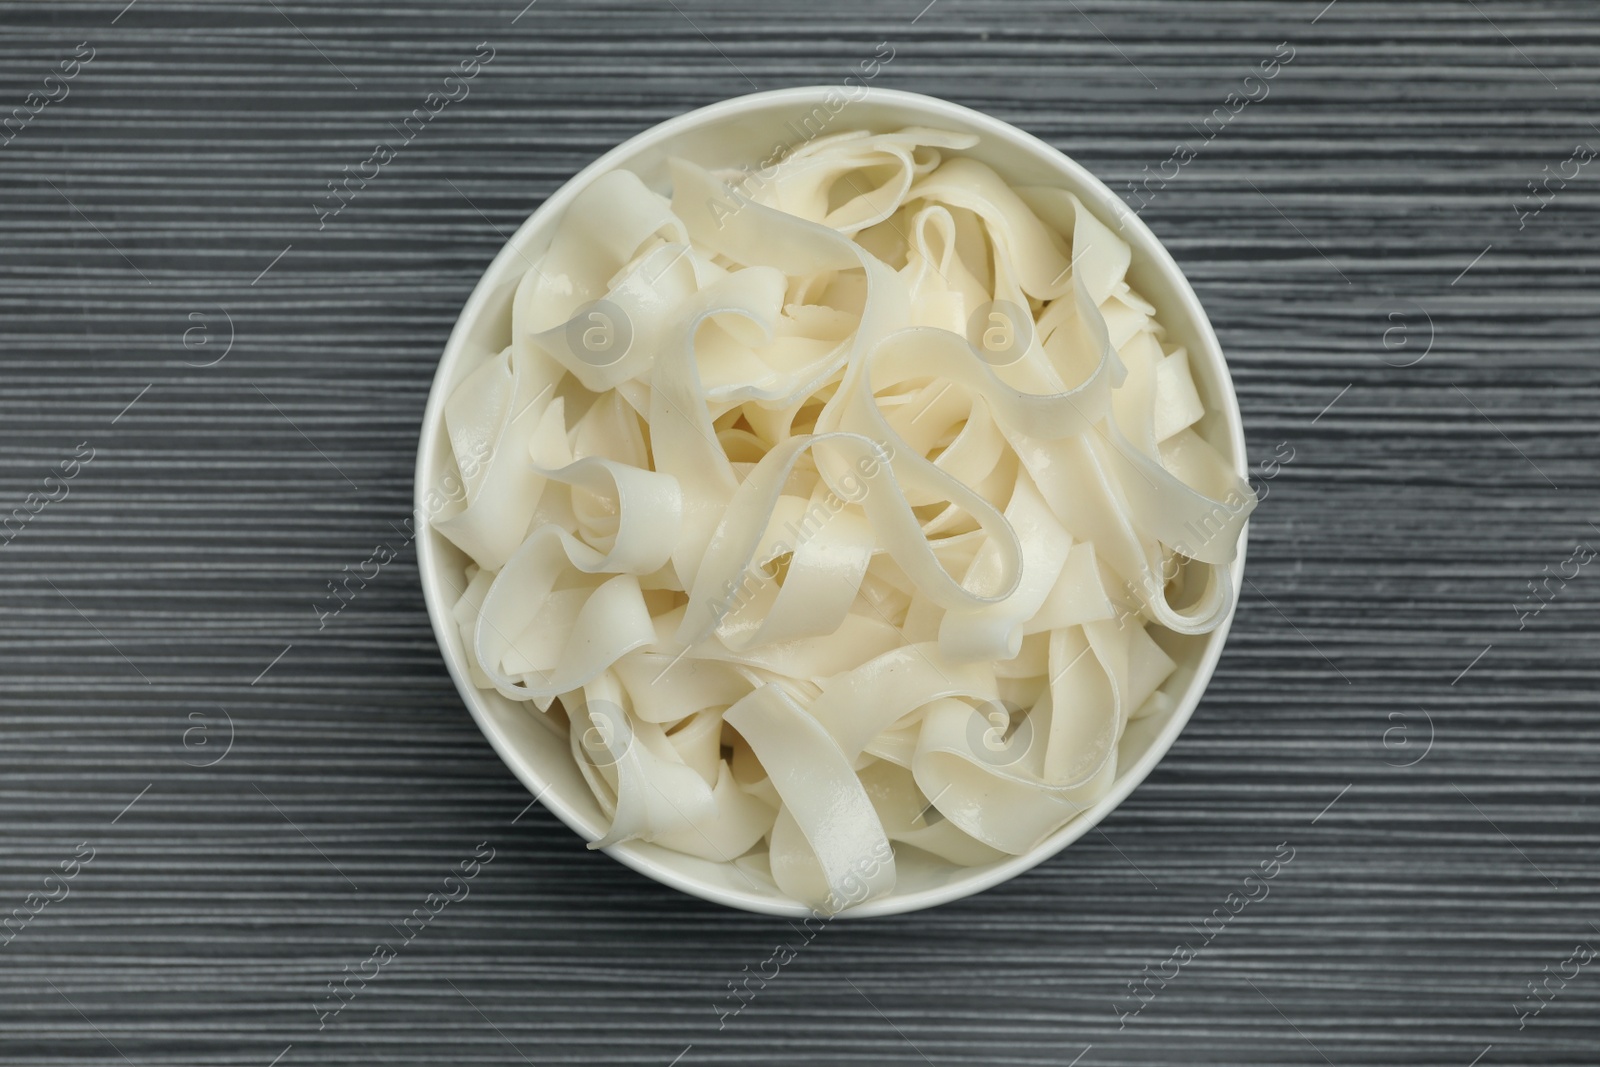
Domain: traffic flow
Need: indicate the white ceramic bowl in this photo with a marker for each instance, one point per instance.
(744, 131)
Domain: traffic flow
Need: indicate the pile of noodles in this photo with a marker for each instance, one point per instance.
(835, 506)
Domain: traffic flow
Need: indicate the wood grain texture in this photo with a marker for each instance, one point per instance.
(189, 553)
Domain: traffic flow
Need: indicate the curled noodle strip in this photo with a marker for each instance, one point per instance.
(808, 566)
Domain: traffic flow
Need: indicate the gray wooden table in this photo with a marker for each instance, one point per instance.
(209, 410)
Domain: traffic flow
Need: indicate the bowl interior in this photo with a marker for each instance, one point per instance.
(746, 131)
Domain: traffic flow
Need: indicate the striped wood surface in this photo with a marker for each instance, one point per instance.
(172, 588)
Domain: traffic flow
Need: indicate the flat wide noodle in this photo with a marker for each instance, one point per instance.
(837, 507)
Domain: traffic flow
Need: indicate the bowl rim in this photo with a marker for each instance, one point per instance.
(1107, 206)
